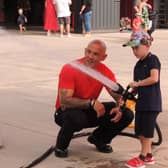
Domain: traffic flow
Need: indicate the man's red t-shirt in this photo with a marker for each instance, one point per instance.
(84, 86)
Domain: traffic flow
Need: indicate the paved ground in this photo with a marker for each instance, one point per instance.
(29, 67)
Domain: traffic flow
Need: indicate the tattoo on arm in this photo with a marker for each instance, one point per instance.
(68, 101)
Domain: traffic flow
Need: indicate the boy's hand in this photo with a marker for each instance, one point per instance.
(134, 84)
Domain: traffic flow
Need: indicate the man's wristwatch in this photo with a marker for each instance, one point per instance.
(92, 102)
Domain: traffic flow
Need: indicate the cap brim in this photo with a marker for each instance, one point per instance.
(132, 43)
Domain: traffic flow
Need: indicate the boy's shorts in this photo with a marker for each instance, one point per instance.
(64, 20)
(145, 123)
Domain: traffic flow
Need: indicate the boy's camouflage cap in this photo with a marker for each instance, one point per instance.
(138, 38)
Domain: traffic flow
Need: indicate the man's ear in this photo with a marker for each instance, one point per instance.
(104, 57)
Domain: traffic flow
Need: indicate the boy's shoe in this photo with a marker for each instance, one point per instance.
(61, 153)
(149, 160)
(24, 28)
(100, 147)
(135, 163)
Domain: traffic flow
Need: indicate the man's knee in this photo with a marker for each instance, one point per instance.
(128, 114)
(58, 118)
(75, 119)
(78, 123)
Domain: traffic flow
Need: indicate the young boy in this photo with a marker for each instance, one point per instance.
(21, 20)
(149, 103)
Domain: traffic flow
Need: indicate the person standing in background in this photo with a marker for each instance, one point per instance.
(63, 13)
(137, 22)
(143, 7)
(77, 105)
(22, 20)
(86, 12)
(26, 6)
(50, 17)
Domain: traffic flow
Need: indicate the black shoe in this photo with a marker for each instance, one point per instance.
(104, 148)
(100, 147)
(61, 153)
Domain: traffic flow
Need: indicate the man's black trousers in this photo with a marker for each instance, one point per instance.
(73, 120)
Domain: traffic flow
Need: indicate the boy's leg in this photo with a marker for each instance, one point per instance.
(20, 28)
(144, 128)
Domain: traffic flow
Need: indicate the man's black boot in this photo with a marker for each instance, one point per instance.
(61, 153)
(100, 147)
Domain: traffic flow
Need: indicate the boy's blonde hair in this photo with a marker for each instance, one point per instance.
(20, 11)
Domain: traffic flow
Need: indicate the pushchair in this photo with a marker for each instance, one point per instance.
(125, 24)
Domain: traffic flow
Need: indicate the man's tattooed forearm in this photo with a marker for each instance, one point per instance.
(73, 102)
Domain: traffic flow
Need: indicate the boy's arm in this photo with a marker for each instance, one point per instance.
(25, 19)
(152, 79)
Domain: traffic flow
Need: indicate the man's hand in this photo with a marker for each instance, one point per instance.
(99, 108)
(118, 114)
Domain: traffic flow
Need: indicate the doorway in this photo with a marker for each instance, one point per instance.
(33, 9)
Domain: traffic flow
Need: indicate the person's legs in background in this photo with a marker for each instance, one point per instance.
(67, 22)
(87, 23)
(61, 30)
(64, 22)
(61, 25)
